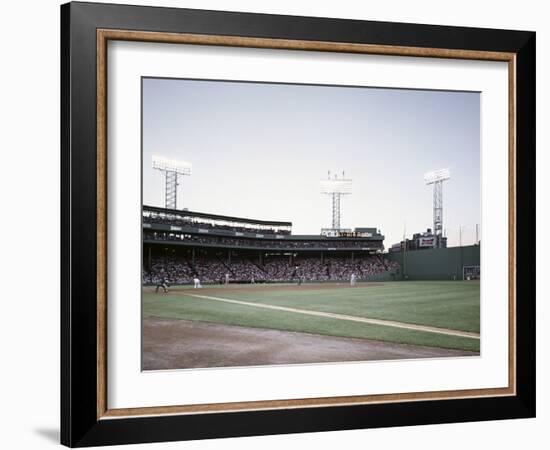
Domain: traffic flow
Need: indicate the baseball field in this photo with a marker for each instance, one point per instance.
(247, 325)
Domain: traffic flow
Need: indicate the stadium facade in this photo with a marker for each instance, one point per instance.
(180, 245)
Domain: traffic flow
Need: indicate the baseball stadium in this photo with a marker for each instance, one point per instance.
(247, 259)
(221, 291)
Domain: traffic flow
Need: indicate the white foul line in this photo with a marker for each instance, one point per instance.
(387, 323)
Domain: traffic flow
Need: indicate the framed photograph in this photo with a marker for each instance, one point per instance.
(278, 224)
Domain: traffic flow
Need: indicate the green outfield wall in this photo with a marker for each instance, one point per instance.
(390, 275)
(435, 264)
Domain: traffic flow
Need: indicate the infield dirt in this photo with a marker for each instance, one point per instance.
(217, 288)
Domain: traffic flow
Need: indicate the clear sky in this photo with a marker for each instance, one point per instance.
(260, 150)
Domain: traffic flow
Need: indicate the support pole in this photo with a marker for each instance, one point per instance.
(438, 213)
(336, 211)
(405, 260)
(171, 190)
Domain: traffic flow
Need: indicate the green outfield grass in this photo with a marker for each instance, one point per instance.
(443, 304)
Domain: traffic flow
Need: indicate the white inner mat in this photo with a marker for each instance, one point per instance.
(129, 387)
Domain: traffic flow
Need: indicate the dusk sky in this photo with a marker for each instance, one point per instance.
(260, 150)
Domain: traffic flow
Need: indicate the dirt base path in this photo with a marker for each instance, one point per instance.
(183, 344)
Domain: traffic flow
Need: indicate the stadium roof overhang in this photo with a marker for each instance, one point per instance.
(216, 216)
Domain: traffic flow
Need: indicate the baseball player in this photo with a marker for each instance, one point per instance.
(163, 283)
(300, 276)
(197, 282)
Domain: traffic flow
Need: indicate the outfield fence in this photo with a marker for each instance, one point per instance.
(436, 263)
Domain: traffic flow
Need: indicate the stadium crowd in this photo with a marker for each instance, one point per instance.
(275, 269)
(174, 270)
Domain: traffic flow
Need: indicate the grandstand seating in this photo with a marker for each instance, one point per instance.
(211, 269)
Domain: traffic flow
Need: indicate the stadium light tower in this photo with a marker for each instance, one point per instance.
(336, 187)
(437, 177)
(171, 170)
